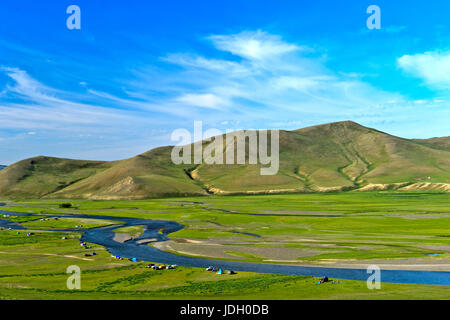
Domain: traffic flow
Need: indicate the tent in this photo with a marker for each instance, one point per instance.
(323, 280)
(220, 271)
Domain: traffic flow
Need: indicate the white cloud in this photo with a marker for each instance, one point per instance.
(42, 107)
(207, 100)
(27, 86)
(432, 67)
(299, 83)
(257, 45)
(275, 77)
(188, 60)
(254, 79)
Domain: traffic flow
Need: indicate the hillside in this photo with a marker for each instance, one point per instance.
(436, 143)
(337, 157)
(40, 176)
(332, 157)
(146, 175)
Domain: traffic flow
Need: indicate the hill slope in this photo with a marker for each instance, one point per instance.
(151, 174)
(37, 177)
(436, 143)
(332, 157)
(336, 157)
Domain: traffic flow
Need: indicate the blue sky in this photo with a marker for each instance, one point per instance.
(137, 70)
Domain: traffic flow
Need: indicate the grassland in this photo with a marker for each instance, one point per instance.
(65, 223)
(348, 229)
(133, 231)
(36, 270)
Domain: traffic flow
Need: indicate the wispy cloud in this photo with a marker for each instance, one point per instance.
(39, 106)
(37, 119)
(251, 79)
(256, 45)
(188, 60)
(207, 100)
(263, 78)
(266, 75)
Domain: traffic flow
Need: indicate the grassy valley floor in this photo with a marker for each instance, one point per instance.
(392, 229)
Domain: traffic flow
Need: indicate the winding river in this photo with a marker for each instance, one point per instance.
(159, 230)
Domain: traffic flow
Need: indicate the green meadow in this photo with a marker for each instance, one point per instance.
(331, 229)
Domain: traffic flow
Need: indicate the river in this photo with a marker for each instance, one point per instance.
(159, 231)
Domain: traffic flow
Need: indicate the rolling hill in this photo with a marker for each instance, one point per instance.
(436, 143)
(338, 156)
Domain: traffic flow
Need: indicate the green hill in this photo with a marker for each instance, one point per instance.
(332, 157)
(436, 143)
(40, 176)
(151, 174)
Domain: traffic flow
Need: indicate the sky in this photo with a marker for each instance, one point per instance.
(138, 70)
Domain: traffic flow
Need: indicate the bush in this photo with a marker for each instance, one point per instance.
(65, 205)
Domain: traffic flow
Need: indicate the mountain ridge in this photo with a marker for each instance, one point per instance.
(338, 156)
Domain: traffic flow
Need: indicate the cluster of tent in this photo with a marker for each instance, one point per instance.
(83, 244)
(90, 254)
(161, 267)
(325, 279)
(130, 259)
(29, 234)
(219, 270)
